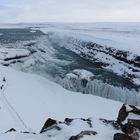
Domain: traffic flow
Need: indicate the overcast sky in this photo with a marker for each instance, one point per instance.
(69, 10)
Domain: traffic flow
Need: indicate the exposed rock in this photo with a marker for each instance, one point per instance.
(88, 121)
(131, 131)
(82, 134)
(120, 136)
(135, 110)
(68, 121)
(26, 132)
(130, 125)
(134, 123)
(30, 44)
(112, 123)
(50, 122)
(11, 130)
(122, 114)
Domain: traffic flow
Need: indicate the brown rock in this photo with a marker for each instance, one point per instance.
(82, 134)
(130, 131)
(120, 136)
(122, 114)
(68, 121)
(50, 122)
(134, 123)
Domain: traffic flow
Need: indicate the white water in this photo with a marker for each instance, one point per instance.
(97, 87)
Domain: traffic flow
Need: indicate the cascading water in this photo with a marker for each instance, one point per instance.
(89, 85)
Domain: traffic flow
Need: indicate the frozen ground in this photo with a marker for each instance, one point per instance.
(29, 100)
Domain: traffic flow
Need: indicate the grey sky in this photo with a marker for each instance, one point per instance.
(69, 10)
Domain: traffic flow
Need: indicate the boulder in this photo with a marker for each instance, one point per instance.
(129, 121)
(123, 113)
(130, 131)
(134, 123)
(49, 123)
(68, 121)
(120, 136)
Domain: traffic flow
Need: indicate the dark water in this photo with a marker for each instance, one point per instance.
(13, 35)
(57, 69)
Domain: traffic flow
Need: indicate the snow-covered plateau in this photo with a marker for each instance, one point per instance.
(51, 77)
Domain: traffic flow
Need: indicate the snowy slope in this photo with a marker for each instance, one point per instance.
(32, 99)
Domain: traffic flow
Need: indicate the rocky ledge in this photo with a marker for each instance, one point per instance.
(126, 127)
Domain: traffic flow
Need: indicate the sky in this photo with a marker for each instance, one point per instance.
(15, 11)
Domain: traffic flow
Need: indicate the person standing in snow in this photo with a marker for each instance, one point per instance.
(1, 87)
(4, 80)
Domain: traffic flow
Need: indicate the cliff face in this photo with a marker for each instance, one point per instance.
(123, 63)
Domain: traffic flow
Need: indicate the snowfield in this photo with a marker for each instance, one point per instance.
(9, 54)
(32, 99)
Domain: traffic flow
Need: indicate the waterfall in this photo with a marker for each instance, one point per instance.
(124, 95)
(98, 88)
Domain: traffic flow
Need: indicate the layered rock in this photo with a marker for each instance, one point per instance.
(129, 121)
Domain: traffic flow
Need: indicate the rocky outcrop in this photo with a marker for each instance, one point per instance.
(82, 134)
(49, 123)
(109, 58)
(70, 124)
(121, 136)
(11, 130)
(127, 126)
(129, 121)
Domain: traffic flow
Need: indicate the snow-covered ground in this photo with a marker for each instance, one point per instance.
(28, 100)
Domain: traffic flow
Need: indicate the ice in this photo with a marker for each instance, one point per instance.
(6, 53)
(98, 88)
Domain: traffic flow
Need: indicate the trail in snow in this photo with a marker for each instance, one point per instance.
(12, 111)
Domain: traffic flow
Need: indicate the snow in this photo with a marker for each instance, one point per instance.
(83, 74)
(123, 36)
(35, 99)
(9, 53)
(128, 108)
(131, 116)
(33, 31)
